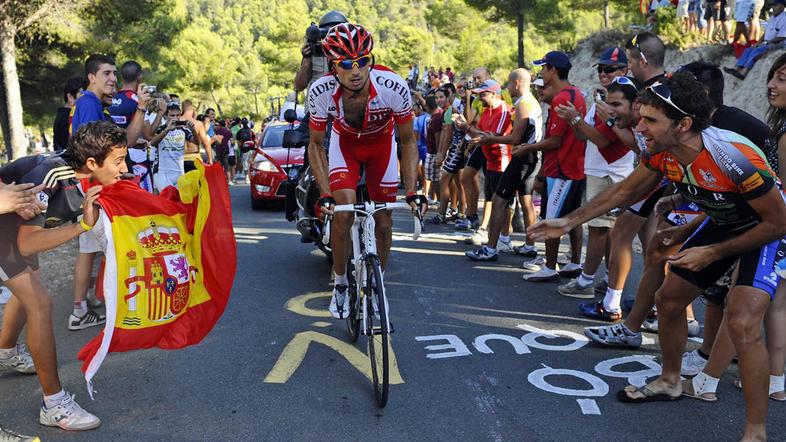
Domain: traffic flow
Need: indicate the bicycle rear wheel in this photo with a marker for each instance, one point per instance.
(355, 315)
(377, 332)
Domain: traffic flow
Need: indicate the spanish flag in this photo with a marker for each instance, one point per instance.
(169, 268)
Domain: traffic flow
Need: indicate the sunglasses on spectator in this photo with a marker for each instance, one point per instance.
(635, 43)
(664, 93)
(625, 81)
(359, 62)
(610, 69)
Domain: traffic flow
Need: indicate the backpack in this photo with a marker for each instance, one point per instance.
(244, 134)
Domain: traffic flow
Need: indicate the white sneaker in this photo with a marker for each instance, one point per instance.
(21, 361)
(7, 435)
(575, 290)
(533, 265)
(90, 319)
(570, 270)
(478, 238)
(692, 363)
(339, 303)
(545, 274)
(68, 415)
(504, 246)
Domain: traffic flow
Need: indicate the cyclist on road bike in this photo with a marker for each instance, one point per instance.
(365, 102)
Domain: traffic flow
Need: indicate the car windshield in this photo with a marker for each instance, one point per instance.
(274, 136)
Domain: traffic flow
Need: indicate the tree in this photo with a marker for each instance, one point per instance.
(507, 10)
(15, 17)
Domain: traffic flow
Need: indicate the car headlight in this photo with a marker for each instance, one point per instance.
(261, 163)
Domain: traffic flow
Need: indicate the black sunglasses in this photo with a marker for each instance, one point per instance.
(610, 69)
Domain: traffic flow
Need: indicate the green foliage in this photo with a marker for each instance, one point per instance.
(237, 55)
(671, 31)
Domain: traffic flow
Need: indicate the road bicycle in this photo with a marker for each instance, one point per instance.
(368, 303)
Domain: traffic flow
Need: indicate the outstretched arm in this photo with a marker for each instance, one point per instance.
(626, 192)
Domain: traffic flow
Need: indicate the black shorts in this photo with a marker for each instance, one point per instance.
(715, 14)
(717, 292)
(491, 183)
(454, 160)
(12, 263)
(188, 166)
(518, 177)
(645, 207)
(562, 196)
(756, 267)
(476, 159)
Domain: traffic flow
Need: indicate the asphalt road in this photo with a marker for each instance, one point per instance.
(481, 355)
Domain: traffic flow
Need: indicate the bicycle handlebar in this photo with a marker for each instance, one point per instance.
(361, 208)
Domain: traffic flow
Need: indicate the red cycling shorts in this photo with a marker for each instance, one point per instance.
(348, 153)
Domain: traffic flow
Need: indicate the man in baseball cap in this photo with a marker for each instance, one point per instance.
(562, 167)
(559, 60)
(613, 56)
(488, 86)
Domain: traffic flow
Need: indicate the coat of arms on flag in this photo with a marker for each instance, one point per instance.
(169, 268)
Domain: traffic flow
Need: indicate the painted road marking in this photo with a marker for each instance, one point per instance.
(296, 350)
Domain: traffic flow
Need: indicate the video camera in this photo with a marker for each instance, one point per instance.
(314, 36)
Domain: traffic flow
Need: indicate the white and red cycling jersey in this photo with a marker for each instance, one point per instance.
(373, 145)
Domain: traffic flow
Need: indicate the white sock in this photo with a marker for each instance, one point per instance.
(341, 280)
(504, 238)
(51, 401)
(586, 280)
(611, 302)
(80, 309)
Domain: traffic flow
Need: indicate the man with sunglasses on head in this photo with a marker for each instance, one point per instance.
(729, 178)
(366, 102)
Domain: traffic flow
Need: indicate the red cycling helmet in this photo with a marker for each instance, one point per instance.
(347, 41)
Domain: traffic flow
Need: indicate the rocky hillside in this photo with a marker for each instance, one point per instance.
(749, 95)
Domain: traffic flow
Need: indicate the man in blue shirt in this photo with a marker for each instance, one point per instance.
(101, 74)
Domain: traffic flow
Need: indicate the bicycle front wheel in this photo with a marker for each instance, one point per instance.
(355, 315)
(377, 332)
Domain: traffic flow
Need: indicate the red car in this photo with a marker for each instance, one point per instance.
(270, 164)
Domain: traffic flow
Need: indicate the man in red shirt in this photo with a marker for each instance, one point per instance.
(496, 120)
(563, 168)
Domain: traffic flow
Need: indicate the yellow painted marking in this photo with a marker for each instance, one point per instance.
(298, 305)
(321, 324)
(296, 350)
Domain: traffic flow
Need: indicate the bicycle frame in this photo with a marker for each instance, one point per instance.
(364, 244)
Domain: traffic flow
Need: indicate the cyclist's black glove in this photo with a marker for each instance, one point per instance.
(419, 200)
(325, 200)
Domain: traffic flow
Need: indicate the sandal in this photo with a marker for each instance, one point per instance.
(648, 395)
(776, 386)
(699, 386)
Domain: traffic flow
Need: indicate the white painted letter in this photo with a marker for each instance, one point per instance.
(480, 343)
(454, 343)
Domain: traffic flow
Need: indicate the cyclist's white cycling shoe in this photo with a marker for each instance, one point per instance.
(68, 415)
(339, 303)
